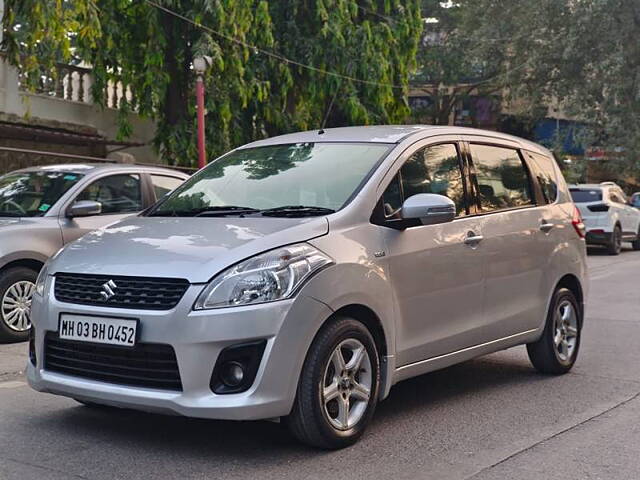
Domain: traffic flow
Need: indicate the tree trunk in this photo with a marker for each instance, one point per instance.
(175, 102)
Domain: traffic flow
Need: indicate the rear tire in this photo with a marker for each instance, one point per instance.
(636, 243)
(557, 349)
(615, 244)
(338, 387)
(16, 289)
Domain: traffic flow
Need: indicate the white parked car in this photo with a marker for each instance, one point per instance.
(608, 216)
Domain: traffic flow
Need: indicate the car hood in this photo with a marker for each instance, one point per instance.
(191, 248)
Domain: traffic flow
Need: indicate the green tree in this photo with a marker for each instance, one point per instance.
(450, 66)
(582, 57)
(250, 94)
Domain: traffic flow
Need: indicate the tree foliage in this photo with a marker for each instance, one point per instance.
(579, 57)
(447, 67)
(249, 94)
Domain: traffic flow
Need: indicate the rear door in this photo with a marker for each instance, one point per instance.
(120, 195)
(514, 241)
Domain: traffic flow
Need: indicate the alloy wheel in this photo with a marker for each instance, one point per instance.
(565, 330)
(347, 384)
(15, 307)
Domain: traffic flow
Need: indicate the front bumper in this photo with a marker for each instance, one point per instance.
(197, 338)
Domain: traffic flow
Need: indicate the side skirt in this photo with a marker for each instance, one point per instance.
(442, 361)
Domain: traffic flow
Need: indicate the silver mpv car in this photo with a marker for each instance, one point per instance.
(300, 277)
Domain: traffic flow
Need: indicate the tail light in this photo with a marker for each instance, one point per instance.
(599, 207)
(577, 222)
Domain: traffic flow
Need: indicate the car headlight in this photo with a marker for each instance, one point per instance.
(41, 281)
(267, 277)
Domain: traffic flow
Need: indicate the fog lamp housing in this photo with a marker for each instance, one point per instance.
(236, 367)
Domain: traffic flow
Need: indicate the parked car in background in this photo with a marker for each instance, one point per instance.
(43, 208)
(302, 276)
(608, 216)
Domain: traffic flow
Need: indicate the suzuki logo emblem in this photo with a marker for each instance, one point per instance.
(108, 290)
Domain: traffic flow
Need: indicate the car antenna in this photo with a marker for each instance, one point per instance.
(326, 115)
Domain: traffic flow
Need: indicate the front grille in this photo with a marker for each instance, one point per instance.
(123, 292)
(150, 365)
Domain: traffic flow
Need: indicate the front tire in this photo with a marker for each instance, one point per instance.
(16, 290)
(338, 388)
(557, 350)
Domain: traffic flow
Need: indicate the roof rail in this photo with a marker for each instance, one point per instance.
(608, 183)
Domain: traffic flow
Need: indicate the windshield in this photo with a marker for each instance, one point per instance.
(307, 178)
(586, 195)
(32, 194)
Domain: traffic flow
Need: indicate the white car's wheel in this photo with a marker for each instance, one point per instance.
(615, 243)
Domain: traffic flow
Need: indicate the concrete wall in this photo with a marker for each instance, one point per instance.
(75, 115)
(70, 115)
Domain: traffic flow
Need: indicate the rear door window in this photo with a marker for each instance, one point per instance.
(614, 197)
(502, 178)
(622, 198)
(545, 174)
(163, 184)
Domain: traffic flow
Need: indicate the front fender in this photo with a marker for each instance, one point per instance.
(360, 284)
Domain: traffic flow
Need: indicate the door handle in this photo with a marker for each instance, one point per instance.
(472, 239)
(546, 226)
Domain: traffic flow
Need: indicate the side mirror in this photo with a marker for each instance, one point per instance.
(429, 208)
(84, 208)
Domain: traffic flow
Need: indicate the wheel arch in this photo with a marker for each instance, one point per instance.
(370, 319)
(571, 282)
(31, 263)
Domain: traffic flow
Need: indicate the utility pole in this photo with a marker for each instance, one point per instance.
(200, 66)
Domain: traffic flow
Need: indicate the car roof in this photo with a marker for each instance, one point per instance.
(87, 168)
(390, 134)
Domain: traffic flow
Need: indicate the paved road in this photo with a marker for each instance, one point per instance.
(491, 418)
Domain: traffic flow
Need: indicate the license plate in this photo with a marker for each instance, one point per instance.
(112, 331)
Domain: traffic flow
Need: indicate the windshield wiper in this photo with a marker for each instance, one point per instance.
(222, 210)
(297, 211)
(214, 211)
